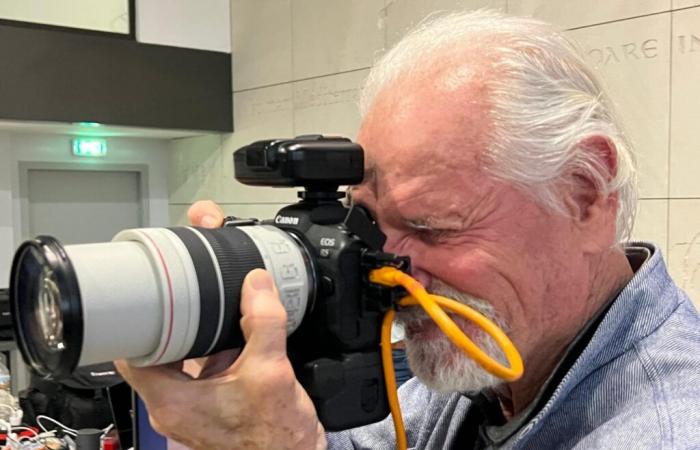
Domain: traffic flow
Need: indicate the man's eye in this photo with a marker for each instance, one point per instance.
(435, 235)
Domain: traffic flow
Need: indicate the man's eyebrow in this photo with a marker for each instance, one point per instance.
(418, 224)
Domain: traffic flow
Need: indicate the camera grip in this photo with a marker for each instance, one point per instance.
(348, 391)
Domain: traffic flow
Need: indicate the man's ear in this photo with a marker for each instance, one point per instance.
(594, 211)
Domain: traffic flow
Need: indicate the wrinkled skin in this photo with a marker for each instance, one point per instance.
(545, 274)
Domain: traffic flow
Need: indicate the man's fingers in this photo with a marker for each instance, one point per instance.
(217, 364)
(144, 378)
(205, 213)
(167, 392)
(264, 321)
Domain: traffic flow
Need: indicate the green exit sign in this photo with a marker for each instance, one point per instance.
(90, 148)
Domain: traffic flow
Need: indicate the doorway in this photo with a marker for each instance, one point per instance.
(80, 205)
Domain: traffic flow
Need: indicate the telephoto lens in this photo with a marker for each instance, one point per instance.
(152, 295)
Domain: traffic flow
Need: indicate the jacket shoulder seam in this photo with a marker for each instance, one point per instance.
(660, 398)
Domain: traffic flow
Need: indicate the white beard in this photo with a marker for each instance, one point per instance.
(437, 362)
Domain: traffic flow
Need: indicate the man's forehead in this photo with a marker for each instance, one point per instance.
(425, 125)
(441, 197)
(392, 160)
(404, 178)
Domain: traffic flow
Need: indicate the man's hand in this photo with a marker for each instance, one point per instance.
(250, 402)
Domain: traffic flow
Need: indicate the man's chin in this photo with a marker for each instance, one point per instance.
(423, 330)
(434, 359)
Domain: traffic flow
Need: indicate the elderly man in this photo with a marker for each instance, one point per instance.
(495, 161)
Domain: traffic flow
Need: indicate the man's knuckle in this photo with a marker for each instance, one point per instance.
(270, 321)
(163, 422)
(273, 376)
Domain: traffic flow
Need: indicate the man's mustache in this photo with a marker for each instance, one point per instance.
(413, 316)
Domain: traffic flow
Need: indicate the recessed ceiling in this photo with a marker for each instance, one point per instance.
(95, 130)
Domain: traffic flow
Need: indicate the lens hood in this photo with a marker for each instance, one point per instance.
(31, 262)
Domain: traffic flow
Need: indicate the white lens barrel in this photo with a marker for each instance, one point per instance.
(121, 309)
(156, 295)
(285, 261)
(178, 292)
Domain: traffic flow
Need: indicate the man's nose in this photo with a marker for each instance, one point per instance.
(421, 275)
(417, 271)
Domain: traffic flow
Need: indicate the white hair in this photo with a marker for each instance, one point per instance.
(544, 102)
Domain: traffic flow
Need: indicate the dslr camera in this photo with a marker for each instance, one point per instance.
(157, 295)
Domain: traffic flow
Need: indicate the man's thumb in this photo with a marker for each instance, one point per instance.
(264, 319)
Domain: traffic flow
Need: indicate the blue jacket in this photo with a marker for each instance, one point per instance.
(635, 384)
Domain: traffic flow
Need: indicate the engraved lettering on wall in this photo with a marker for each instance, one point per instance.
(647, 49)
(687, 43)
(628, 51)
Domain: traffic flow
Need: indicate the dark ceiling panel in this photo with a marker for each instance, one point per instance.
(62, 76)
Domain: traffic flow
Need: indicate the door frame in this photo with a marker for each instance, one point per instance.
(26, 166)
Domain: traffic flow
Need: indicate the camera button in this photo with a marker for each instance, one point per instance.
(327, 285)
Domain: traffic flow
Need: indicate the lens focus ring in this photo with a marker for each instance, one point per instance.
(236, 255)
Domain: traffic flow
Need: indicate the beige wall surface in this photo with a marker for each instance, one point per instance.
(298, 64)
